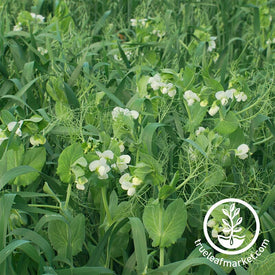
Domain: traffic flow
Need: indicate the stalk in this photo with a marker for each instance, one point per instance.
(105, 203)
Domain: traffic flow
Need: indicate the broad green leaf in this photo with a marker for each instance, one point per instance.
(66, 159)
(58, 232)
(77, 227)
(165, 226)
(174, 222)
(140, 244)
(266, 266)
(35, 158)
(66, 237)
(228, 125)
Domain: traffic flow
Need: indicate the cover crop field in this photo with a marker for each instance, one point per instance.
(122, 122)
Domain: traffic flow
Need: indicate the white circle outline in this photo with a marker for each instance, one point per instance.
(208, 215)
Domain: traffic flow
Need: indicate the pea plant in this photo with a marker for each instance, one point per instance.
(122, 122)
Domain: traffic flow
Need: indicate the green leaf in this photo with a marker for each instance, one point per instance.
(140, 244)
(5, 252)
(107, 92)
(77, 227)
(66, 237)
(270, 198)
(6, 202)
(165, 227)
(265, 266)
(194, 144)
(165, 191)
(37, 239)
(228, 125)
(84, 271)
(13, 173)
(177, 267)
(35, 158)
(174, 222)
(147, 135)
(66, 159)
(71, 97)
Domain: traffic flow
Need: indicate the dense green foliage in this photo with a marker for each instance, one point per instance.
(122, 122)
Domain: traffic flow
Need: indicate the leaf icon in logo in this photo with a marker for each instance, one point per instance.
(232, 207)
(225, 222)
(239, 221)
(225, 212)
(236, 212)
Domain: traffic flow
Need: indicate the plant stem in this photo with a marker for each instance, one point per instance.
(44, 205)
(161, 256)
(69, 190)
(105, 203)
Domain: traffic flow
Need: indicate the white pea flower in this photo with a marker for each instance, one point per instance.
(118, 110)
(12, 124)
(211, 223)
(224, 96)
(117, 58)
(211, 44)
(158, 33)
(133, 22)
(142, 21)
(17, 27)
(80, 183)
(240, 96)
(128, 54)
(213, 110)
(169, 89)
(155, 82)
(38, 17)
(214, 233)
(42, 50)
(108, 154)
(191, 97)
(203, 103)
(122, 162)
(242, 151)
(101, 167)
(126, 184)
(37, 140)
(134, 114)
(121, 147)
(200, 130)
(136, 181)
(2, 136)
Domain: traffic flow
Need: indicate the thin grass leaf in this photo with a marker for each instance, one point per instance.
(107, 92)
(5, 252)
(37, 239)
(15, 172)
(148, 133)
(140, 244)
(84, 271)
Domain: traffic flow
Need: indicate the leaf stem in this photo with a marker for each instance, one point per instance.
(105, 203)
(69, 190)
(161, 256)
